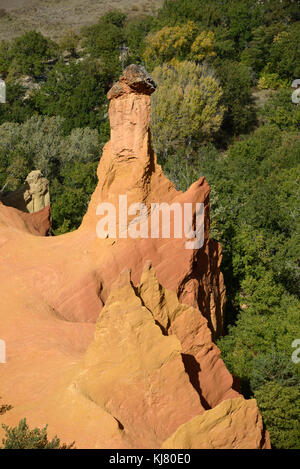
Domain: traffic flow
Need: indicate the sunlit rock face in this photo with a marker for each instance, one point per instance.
(109, 340)
(128, 166)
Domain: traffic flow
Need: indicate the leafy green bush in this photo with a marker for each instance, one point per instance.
(284, 53)
(271, 81)
(17, 108)
(21, 437)
(280, 408)
(103, 41)
(186, 108)
(30, 54)
(280, 110)
(236, 81)
(257, 53)
(272, 367)
(76, 92)
(243, 17)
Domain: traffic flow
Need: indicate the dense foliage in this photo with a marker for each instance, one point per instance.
(75, 91)
(4, 408)
(210, 60)
(29, 54)
(21, 437)
(186, 108)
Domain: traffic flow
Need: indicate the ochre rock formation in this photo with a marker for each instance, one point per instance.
(200, 355)
(32, 197)
(108, 358)
(233, 424)
(37, 223)
(128, 166)
(135, 372)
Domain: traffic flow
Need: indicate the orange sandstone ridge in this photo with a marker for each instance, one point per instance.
(109, 341)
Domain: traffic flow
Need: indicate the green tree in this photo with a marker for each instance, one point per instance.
(38, 141)
(103, 41)
(71, 197)
(170, 43)
(76, 92)
(31, 53)
(186, 107)
(272, 367)
(17, 108)
(242, 18)
(224, 44)
(236, 81)
(280, 408)
(280, 110)
(69, 42)
(204, 46)
(284, 53)
(136, 31)
(69, 162)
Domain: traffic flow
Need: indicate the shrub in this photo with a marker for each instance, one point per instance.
(4, 408)
(186, 107)
(271, 81)
(280, 110)
(236, 81)
(271, 367)
(21, 437)
(31, 53)
(171, 43)
(284, 53)
(280, 408)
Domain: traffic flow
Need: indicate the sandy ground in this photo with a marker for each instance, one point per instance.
(53, 17)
